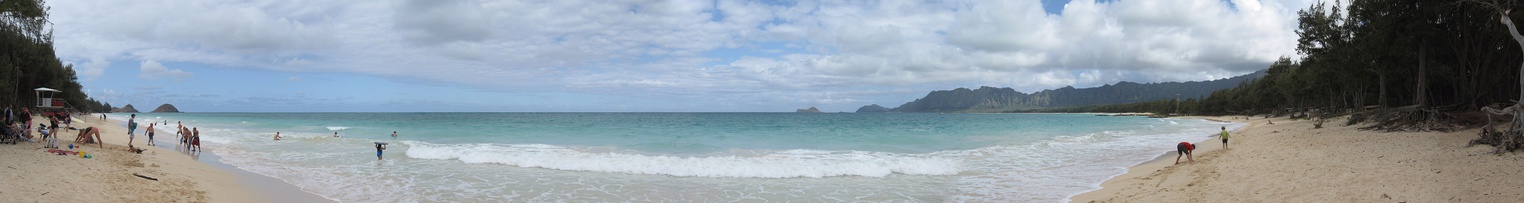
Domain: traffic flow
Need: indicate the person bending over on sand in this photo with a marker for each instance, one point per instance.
(89, 135)
(48, 140)
(1184, 148)
(1224, 137)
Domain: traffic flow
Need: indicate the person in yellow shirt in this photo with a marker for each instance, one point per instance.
(1224, 137)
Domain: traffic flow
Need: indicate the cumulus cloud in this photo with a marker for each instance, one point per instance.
(757, 48)
(152, 70)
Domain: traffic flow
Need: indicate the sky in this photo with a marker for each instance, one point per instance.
(643, 55)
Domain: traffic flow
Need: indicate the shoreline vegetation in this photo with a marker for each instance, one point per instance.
(1411, 123)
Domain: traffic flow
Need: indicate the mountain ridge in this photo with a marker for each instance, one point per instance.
(988, 99)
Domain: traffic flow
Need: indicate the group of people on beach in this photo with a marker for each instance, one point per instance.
(189, 138)
(21, 122)
(1185, 148)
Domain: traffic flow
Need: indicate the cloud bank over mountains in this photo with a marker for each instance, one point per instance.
(805, 52)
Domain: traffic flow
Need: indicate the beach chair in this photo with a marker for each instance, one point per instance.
(10, 134)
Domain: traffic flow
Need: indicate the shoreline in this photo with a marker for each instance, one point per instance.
(1208, 144)
(112, 174)
(271, 188)
(1291, 161)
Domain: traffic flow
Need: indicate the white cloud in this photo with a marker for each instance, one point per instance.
(92, 69)
(293, 79)
(692, 47)
(152, 70)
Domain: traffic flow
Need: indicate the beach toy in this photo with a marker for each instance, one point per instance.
(71, 146)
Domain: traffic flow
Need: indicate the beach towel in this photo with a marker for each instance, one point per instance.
(62, 152)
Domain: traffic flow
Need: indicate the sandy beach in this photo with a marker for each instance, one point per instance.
(32, 175)
(1292, 162)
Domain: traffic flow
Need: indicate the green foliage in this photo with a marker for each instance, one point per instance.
(1453, 56)
(27, 59)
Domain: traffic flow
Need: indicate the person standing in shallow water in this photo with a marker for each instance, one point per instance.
(379, 147)
(394, 134)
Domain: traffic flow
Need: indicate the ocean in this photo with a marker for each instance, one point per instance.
(688, 157)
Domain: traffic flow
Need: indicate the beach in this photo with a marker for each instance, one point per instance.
(110, 175)
(1290, 161)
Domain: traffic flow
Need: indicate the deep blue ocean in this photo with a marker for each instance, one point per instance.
(688, 157)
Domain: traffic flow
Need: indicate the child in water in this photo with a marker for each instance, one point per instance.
(379, 147)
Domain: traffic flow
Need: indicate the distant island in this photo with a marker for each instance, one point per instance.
(874, 108)
(990, 99)
(166, 108)
(809, 110)
(125, 109)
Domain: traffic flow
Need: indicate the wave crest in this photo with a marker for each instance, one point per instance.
(778, 164)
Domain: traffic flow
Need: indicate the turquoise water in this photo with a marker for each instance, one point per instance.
(686, 157)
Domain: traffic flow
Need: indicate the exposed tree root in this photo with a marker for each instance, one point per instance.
(1503, 141)
(1411, 119)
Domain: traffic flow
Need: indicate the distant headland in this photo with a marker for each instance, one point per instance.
(166, 108)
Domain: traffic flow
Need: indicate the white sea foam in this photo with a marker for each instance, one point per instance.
(337, 128)
(779, 164)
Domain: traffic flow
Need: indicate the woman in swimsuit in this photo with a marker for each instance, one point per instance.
(88, 135)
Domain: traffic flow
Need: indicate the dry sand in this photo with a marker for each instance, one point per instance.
(31, 175)
(1292, 162)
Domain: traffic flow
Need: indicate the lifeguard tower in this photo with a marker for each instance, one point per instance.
(47, 103)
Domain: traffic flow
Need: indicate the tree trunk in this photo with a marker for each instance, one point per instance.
(1421, 98)
(1511, 139)
(1381, 80)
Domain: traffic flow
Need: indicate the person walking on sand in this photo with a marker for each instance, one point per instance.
(1184, 148)
(68, 120)
(196, 139)
(150, 133)
(1224, 137)
(132, 124)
